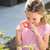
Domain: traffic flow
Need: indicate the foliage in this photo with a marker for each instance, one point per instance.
(2, 48)
(49, 41)
(3, 38)
(48, 21)
(48, 16)
(30, 47)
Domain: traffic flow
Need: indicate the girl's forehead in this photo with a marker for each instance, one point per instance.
(33, 15)
(30, 13)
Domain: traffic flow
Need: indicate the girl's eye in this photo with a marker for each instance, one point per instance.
(28, 18)
(34, 19)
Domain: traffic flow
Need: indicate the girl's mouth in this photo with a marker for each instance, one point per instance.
(33, 23)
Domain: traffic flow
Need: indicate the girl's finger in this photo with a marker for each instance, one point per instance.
(18, 27)
(32, 29)
(31, 26)
(22, 29)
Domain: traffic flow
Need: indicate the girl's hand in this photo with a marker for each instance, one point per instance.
(18, 38)
(34, 29)
(19, 29)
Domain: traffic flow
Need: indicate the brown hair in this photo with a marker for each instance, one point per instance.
(36, 6)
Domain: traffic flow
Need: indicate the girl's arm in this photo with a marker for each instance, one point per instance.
(18, 38)
(43, 43)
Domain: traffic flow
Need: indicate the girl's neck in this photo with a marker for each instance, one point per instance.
(39, 24)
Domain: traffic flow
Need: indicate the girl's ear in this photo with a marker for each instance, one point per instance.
(43, 15)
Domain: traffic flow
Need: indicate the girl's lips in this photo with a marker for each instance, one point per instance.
(32, 23)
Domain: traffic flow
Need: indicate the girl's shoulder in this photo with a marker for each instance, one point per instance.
(47, 28)
(44, 26)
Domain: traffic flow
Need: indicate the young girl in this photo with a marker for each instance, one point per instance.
(34, 30)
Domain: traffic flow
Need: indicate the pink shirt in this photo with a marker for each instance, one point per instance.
(28, 37)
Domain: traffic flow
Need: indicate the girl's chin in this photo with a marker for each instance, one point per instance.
(35, 24)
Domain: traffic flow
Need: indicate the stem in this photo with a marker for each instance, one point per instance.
(30, 49)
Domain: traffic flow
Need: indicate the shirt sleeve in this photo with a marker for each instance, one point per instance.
(47, 29)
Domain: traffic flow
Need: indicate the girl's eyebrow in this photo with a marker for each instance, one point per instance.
(27, 17)
(34, 18)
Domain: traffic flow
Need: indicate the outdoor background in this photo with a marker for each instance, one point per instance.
(11, 13)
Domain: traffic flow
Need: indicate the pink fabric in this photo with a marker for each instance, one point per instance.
(28, 37)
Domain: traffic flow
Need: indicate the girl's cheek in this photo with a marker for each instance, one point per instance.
(28, 20)
(37, 22)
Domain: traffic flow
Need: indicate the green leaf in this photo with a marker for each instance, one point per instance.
(1, 47)
(1, 36)
(6, 49)
(34, 48)
(33, 45)
(30, 45)
(30, 48)
(1, 33)
(8, 37)
(26, 46)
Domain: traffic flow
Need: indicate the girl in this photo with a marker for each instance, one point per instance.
(34, 30)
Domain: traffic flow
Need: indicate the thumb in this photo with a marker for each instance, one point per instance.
(22, 28)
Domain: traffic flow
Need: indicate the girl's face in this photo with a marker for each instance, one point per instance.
(33, 18)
